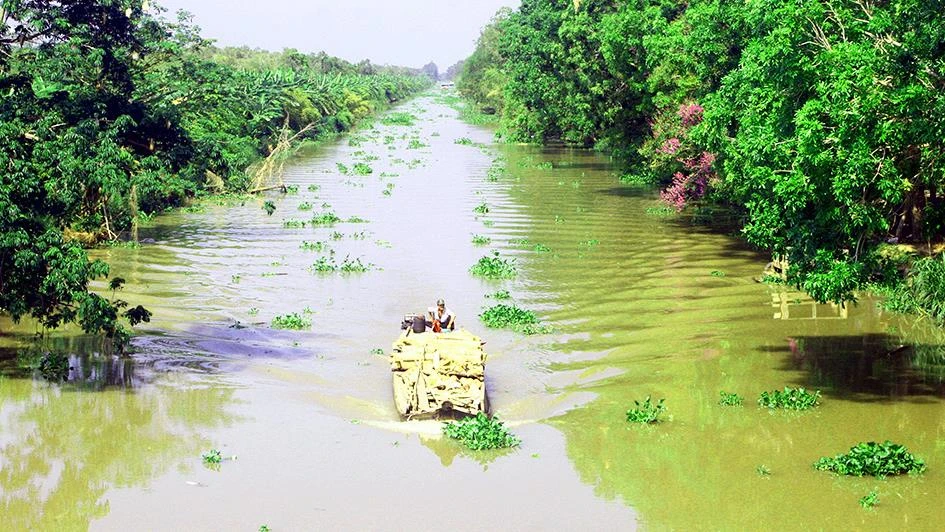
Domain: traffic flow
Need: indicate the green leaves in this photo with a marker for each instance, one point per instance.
(873, 459)
(646, 412)
(790, 399)
(494, 267)
(504, 316)
(480, 433)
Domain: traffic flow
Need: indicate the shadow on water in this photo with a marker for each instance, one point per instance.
(869, 367)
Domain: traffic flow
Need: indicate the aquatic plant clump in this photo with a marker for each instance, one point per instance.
(481, 433)
(293, 321)
(874, 459)
(213, 456)
(325, 219)
(790, 399)
(503, 316)
(730, 399)
(646, 411)
(494, 267)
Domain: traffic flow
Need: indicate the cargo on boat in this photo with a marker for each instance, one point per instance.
(438, 373)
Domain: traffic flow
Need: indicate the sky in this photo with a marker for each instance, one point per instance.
(396, 32)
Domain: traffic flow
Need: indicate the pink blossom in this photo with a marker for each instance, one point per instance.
(670, 146)
(691, 114)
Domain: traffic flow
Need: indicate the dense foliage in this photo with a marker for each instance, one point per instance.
(874, 459)
(819, 123)
(109, 112)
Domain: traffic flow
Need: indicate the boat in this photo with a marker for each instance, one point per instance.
(438, 374)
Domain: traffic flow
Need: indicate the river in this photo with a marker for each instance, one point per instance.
(642, 302)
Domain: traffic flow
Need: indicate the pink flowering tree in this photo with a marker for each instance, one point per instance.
(675, 160)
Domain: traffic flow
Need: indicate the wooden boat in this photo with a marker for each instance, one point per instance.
(438, 374)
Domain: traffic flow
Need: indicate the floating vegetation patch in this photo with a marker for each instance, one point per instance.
(482, 208)
(481, 240)
(481, 433)
(463, 141)
(293, 321)
(293, 224)
(213, 456)
(416, 144)
(869, 500)
(362, 169)
(717, 273)
(343, 169)
(305, 206)
(662, 210)
(500, 295)
(494, 267)
(356, 220)
(269, 207)
(398, 119)
(313, 188)
(541, 248)
(328, 264)
(590, 243)
(327, 218)
(314, 246)
(790, 399)
(389, 174)
(873, 459)
(503, 316)
(646, 411)
(292, 189)
(730, 399)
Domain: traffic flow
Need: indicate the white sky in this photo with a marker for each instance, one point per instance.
(396, 32)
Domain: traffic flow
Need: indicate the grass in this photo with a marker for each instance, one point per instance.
(481, 433)
(327, 218)
(873, 459)
(494, 267)
(790, 399)
(646, 412)
(293, 321)
(923, 292)
(481, 240)
(730, 399)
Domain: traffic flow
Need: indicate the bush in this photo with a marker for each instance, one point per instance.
(874, 459)
(481, 432)
(790, 398)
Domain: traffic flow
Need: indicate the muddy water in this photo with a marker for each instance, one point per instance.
(642, 304)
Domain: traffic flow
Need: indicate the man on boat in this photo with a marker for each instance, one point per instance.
(441, 318)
